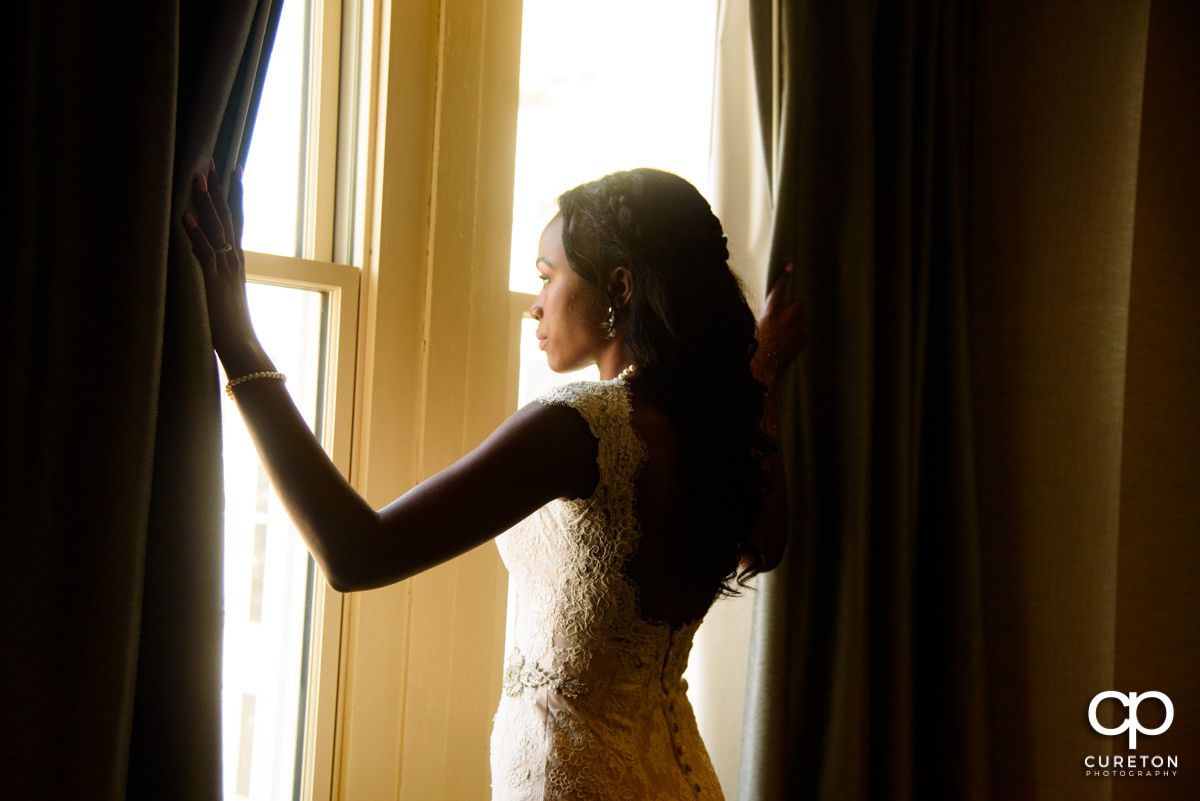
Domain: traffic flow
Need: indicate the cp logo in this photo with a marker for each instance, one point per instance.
(1131, 723)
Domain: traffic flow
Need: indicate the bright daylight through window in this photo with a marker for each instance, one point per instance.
(277, 614)
(268, 577)
(604, 87)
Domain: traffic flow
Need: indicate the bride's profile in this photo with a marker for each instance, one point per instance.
(654, 490)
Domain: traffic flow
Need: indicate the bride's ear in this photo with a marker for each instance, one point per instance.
(620, 286)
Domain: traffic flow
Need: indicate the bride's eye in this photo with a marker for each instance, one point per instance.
(543, 277)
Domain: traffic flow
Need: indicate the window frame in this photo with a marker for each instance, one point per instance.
(336, 30)
(412, 362)
(340, 284)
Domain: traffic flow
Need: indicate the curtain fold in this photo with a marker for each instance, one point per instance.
(111, 515)
(991, 452)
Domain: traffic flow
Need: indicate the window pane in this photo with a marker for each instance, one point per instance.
(604, 87)
(354, 132)
(274, 176)
(268, 573)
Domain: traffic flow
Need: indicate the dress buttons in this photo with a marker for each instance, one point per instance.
(697, 788)
(679, 750)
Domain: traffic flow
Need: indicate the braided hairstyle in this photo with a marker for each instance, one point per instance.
(691, 335)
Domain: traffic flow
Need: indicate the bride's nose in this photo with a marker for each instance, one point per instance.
(535, 311)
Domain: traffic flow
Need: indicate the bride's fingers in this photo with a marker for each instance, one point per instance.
(780, 280)
(200, 244)
(777, 288)
(220, 204)
(207, 218)
(235, 206)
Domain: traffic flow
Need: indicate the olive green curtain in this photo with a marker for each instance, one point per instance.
(112, 501)
(992, 442)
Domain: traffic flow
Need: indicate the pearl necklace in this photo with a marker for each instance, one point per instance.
(626, 373)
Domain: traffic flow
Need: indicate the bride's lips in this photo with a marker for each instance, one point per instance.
(541, 342)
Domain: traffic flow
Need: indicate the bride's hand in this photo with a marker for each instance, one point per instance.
(214, 225)
(782, 333)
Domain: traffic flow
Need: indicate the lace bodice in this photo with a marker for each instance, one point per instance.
(594, 704)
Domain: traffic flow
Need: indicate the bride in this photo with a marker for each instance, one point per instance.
(656, 489)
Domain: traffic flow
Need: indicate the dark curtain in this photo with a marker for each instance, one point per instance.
(112, 507)
(992, 438)
(867, 667)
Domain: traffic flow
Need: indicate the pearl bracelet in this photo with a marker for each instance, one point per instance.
(250, 377)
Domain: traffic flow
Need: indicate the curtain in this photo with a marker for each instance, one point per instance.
(991, 447)
(112, 507)
(881, 574)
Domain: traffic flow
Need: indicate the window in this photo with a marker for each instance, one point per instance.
(303, 213)
(604, 87)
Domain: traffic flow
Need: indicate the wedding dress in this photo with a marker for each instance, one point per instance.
(594, 705)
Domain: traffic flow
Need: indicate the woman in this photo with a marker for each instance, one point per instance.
(649, 494)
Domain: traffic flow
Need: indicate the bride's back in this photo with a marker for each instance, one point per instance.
(594, 699)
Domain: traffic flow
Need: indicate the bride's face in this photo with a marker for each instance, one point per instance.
(569, 310)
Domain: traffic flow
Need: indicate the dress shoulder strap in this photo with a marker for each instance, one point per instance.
(608, 411)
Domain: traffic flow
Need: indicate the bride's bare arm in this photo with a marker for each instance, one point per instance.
(540, 453)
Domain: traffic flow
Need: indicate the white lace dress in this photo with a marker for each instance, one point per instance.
(594, 703)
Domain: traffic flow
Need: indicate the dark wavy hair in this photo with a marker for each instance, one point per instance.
(691, 335)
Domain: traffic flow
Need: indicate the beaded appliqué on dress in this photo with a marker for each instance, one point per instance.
(594, 703)
(518, 675)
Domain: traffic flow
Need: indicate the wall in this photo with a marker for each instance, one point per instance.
(422, 659)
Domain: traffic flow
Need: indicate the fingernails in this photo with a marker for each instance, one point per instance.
(189, 220)
(788, 268)
(212, 165)
(201, 184)
(238, 171)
